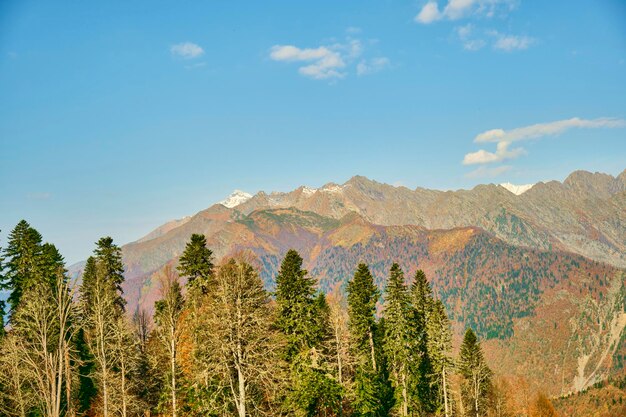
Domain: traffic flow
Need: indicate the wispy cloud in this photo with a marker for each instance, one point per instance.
(459, 9)
(473, 39)
(510, 43)
(324, 62)
(328, 62)
(504, 138)
(545, 129)
(187, 50)
(488, 172)
(372, 66)
(468, 38)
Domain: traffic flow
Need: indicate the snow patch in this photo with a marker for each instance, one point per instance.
(237, 197)
(308, 191)
(517, 189)
(332, 188)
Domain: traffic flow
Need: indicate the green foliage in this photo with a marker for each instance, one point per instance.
(196, 263)
(23, 254)
(296, 305)
(475, 373)
(362, 297)
(315, 392)
(439, 346)
(303, 319)
(401, 346)
(109, 257)
(370, 383)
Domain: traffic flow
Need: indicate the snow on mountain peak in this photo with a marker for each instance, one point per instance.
(517, 189)
(235, 198)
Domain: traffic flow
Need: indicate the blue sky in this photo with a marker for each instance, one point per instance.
(117, 116)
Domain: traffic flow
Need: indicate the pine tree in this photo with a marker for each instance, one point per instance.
(422, 301)
(476, 376)
(369, 387)
(296, 305)
(303, 319)
(109, 257)
(439, 347)
(23, 254)
(399, 340)
(196, 263)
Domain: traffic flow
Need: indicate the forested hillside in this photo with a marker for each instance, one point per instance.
(426, 335)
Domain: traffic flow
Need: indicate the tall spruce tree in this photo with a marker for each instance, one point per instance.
(303, 319)
(23, 261)
(295, 300)
(400, 347)
(196, 263)
(476, 376)
(439, 347)
(422, 300)
(109, 258)
(370, 384)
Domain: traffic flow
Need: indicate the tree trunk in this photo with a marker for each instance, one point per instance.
(373, 352)
(173, 370)
(445, 392)
(405, 395)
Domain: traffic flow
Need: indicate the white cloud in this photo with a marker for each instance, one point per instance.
(325, 63)
(468, 39)
(547, 129)
(504, 138)
(187, 50)
(485, 157)
(473, 40)
(329, 61)
(459, 9)
(429, 13)
(487, 172)
(372, 66)
(512, 42)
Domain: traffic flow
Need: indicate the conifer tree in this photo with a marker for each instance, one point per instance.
(400, 347)
(296, 306)
(303, 319)
(476, 376)
(422, 301)
(370, 384)
(439, 347)
(23, 259)
(109, 257)
(196, 262)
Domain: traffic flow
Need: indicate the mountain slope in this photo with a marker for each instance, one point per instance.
(510, 295)
(585, 214)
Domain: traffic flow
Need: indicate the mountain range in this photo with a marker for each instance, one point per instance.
(537, 271)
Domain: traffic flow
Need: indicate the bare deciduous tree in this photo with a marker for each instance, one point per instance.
(167, 315)
(242, 347)
(43, 329)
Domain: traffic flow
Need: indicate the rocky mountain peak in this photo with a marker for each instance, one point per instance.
(236, 198)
